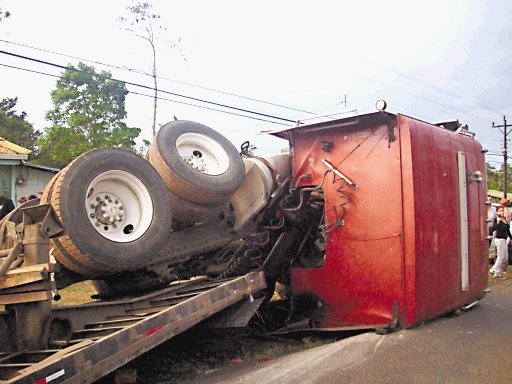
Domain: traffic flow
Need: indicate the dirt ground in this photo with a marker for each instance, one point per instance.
(200, 351)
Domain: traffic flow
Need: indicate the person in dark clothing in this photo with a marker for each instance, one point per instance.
(502, 232)
(6, 206)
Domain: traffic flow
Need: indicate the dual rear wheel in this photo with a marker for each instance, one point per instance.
(117, 209)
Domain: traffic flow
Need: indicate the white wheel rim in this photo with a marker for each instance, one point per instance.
(119, 206)
(202, 153)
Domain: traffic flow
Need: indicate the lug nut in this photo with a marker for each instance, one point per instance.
(97, 224)
(92, 206)
(98, 198)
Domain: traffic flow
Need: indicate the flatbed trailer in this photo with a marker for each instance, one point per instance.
(103, 336)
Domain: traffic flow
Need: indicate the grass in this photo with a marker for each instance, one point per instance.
(79, 293)
(200, 350)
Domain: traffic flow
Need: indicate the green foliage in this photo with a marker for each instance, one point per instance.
(495, 178)
(88, 112)
(14, 127)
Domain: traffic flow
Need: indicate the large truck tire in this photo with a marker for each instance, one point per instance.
(188, 212)
(115, 210)
(198, 165)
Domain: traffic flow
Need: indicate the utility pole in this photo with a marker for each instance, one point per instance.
(505, 153)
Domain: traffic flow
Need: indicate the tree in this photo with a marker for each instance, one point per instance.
(4, 14)
(14, 127)
(495, 178)
(88, 112)
(146, 24)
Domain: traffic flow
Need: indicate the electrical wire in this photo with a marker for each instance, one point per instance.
(208, 108)
(138, 71)
(427, 119)
(423, 98)
(225, 105)
(150, 88)
(408, 77)
(392, 70)
(159, 97)
(431, 86)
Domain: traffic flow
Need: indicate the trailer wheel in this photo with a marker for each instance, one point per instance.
(115, 210)
(197, 164)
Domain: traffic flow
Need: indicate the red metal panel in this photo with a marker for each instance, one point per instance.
(362, 274)
(400, 239)
(436, 259)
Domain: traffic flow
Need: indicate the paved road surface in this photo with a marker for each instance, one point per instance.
(475, 347)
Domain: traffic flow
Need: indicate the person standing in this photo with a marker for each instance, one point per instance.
(491, 215)
(6, 206)
(502, 229)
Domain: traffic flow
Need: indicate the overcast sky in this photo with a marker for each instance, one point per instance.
(433, 60)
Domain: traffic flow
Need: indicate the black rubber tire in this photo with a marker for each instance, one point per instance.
(191, 212)
(82, 249)
(184, 181)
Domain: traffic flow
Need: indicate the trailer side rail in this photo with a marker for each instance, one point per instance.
(94, 356)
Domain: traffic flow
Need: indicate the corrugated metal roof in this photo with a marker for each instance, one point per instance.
(8, 148)
(42, 167)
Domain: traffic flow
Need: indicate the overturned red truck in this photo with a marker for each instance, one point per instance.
(371, 221)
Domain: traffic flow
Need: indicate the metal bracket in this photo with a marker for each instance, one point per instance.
(391, 131)
(51, 226)
(338, 173)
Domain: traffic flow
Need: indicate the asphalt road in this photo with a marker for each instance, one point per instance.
(475, 347)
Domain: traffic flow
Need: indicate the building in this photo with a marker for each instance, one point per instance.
(18, 177)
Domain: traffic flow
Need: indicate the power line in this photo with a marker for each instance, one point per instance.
(151, 88)
(224, 105)
(159, 77)
(208, 108)
(505, 153)
(423, 98)
(429, 85)
(408, 77)
(389, 69)
(427, 119)
(159, 97)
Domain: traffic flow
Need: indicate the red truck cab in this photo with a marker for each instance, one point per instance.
(405, 231)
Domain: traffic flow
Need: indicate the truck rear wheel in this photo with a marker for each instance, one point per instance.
(198, 165)
(115, 209)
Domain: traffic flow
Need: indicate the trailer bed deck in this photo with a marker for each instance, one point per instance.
(106, 335)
